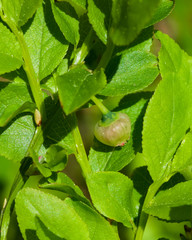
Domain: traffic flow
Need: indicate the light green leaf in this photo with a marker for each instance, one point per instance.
(10, 52)
(172, 204)
(113, 196)
(98, 227)
(99, 16)
(19, 11)
(63, 67)
(56, 215)
(163, 10)
(131, 70)
(129, 18)
(169, 112)
(183, 157)
(106, 158)
(77, 86)
(49, 46)
(43, 232)
(66, 19)
(61, 182)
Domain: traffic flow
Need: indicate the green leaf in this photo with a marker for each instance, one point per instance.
(14, 99)
(15, 139)
(79, 5)
(60, 131)
(56, 158)
(99, 16)
(16, 136)
(13, 110)
(106, 158)
(61, 182)
(77, 86)
(43, 232)
(19, 11)
(66, 19)
(131, 70)
(43, 169)
(172, 204)
(49, 47)
(63, 67)
(121, 200)
(169, 112)
(129, 18)
(183, 157)
(163, 10)
(98, 227)
(10, 52)
(56, 215)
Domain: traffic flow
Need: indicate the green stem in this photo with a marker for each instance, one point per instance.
(28, 66)
(100, 105)
(144, 217)
(106, 56)
(154, 187)
(85, 48)
(81, 153)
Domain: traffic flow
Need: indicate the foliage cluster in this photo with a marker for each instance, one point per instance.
(55, 56)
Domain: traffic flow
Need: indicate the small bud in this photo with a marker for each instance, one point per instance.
(37, 116)
(113, 129)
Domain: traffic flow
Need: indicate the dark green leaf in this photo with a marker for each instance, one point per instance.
(19, 11)
(54, 213)
(129, 18)
(164, 9)
(172, 204)
(59, 131)
(13, 110)
(99, 16)
(14, 99)
(77, 86)
(131, 70)
(169, 112)
(10, 52)
(49, 46)
(16, 136)
(56, 158)
(79, 5)
(66, 19)
(121, 200)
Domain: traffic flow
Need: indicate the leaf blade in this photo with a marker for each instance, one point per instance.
(114, 187)
(19, 11)
(168, 114)
(129, 18)
(77, 86)
(53, 214)
(131, 70)
(49, 47)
